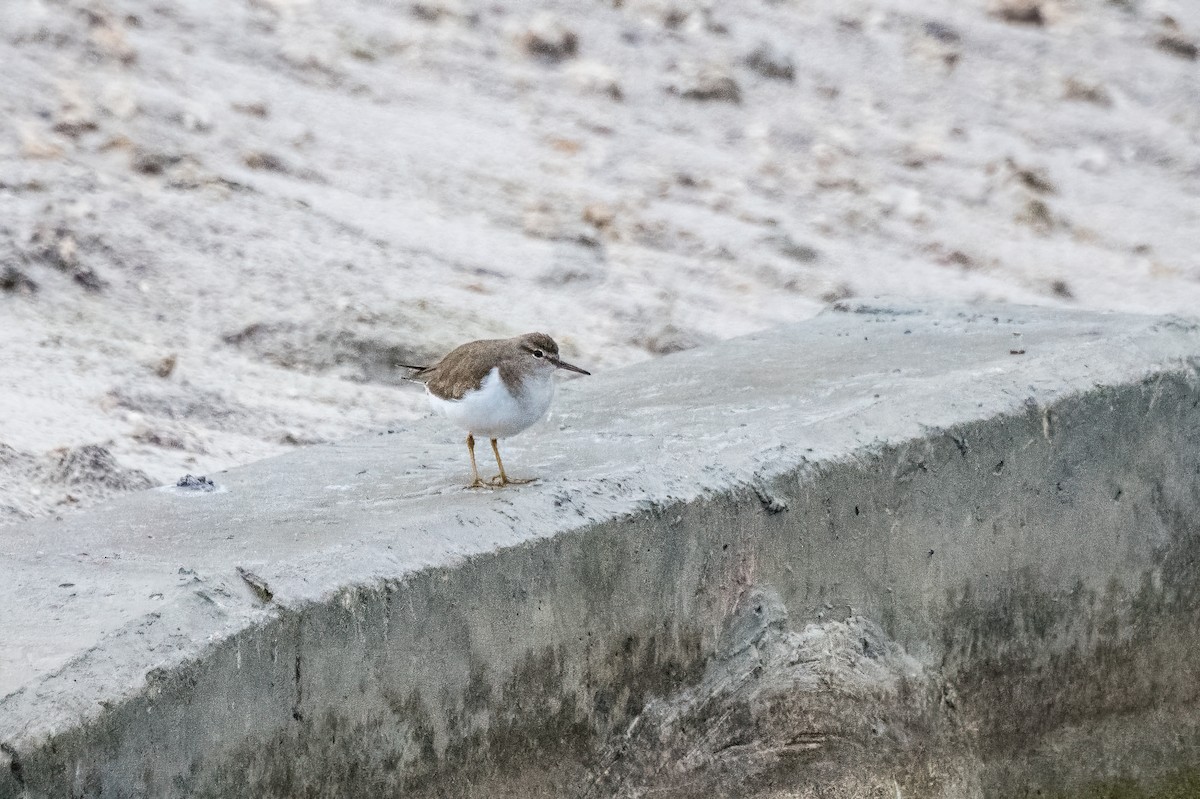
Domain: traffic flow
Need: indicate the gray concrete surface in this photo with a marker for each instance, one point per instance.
(937, 552)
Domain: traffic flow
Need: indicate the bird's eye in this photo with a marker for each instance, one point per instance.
(539, 354)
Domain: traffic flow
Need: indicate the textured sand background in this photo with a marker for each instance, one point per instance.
(222, 222)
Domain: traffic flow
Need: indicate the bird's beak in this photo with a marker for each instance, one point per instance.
(568, 367)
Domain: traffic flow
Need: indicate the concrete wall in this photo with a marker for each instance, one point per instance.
(939, 552)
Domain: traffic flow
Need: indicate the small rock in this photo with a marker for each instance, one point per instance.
(87, 277)
(842, 291)
(957, 258)
(598, 215)
(1032, 178)
(1023, 12)
(258, 109)
(793, 249)
(14, 281)
(166, 366)
(769, 62)
(707, 82)
(673, 17)
(75, 125)
(265, 161)
(55, 246)
(1036, 213)
(192, 483)
(1178, 45)
(435, 10)
(571, 274)
(149, 162)
(118, 142)
(1059, 288)
(1086, 92)
(942, 32)
(547, 38)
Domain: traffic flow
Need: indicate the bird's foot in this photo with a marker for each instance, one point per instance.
(478, 484)
(501, 480)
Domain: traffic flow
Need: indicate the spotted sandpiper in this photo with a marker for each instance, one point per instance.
(494, 388)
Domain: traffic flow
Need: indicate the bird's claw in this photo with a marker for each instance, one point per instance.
(500, 480)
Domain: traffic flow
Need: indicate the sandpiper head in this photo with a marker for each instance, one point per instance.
(543, 351)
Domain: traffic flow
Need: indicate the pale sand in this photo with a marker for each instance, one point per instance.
(288, 197)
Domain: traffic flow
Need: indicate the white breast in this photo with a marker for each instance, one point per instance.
(492, 411)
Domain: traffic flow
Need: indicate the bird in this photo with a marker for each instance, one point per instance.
(494, 388)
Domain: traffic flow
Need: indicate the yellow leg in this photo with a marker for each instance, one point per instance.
(475, 481)
(503, 479)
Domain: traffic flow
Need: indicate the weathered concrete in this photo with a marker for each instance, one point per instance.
(943, 552)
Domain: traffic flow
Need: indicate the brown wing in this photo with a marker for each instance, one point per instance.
(460, 371)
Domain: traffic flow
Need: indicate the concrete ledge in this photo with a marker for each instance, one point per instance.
(945, 552)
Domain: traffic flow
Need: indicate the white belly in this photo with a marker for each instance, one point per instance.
(493, 411)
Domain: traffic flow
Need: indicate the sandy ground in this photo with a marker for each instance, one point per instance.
(222, 223)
